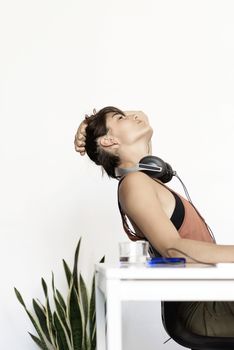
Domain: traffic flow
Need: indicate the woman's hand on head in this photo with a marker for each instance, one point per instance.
(80, 138)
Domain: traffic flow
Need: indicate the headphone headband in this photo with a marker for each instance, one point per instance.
(152, 166)
(120, 172)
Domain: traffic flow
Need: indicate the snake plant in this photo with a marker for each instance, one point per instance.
(72, 324)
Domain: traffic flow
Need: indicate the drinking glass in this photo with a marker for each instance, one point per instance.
(133, 252)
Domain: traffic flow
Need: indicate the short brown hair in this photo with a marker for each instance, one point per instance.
(96, 128)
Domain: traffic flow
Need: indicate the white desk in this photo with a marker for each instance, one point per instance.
(115, 284)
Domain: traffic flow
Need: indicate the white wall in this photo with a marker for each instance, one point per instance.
(60, 59)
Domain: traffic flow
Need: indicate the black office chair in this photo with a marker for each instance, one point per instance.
(184, 337)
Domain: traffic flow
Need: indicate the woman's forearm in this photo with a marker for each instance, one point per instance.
(203, 251)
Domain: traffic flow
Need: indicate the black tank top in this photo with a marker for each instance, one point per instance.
(178, 213)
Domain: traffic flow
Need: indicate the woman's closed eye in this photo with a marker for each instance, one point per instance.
(120, 116)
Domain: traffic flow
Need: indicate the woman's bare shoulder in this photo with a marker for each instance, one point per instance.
(136, 185)
(137, 180)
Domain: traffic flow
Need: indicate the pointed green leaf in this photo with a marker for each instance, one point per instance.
(87, 342)
(85, 307)
(61, 312)
(61, 300)
(42, 306)
(62, 338)
(38, 331)
(75, 266)
(92, 316)
(49, 319)
(44, 286)
(19, 297)
(93, 340)
(67, 272)
(36, 340)
(62, 316)
(34, 322)
(48, 310)
(75, 318)
(53, 282)
(84, 299)
(41, 315)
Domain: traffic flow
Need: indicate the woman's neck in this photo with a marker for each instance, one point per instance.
(131, 158)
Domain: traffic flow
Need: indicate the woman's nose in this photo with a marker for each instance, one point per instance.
(133, 116)
(136, 117)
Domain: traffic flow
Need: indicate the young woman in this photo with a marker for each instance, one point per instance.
(116, 139)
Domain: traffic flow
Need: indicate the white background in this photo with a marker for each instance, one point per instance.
(60, 59)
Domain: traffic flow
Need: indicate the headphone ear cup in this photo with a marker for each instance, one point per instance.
(164, 174)
(168, 174)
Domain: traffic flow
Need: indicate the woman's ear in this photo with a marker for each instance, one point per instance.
(108, 141)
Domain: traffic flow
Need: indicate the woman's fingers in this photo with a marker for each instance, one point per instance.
(79, 144)
(80, 138)
(80, 149)
(82, 128)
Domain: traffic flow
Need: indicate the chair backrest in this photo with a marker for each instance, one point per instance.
(184, 337)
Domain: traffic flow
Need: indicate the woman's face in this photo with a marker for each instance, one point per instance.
(131, 127)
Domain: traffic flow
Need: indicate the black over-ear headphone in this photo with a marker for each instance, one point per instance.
(152, 166)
